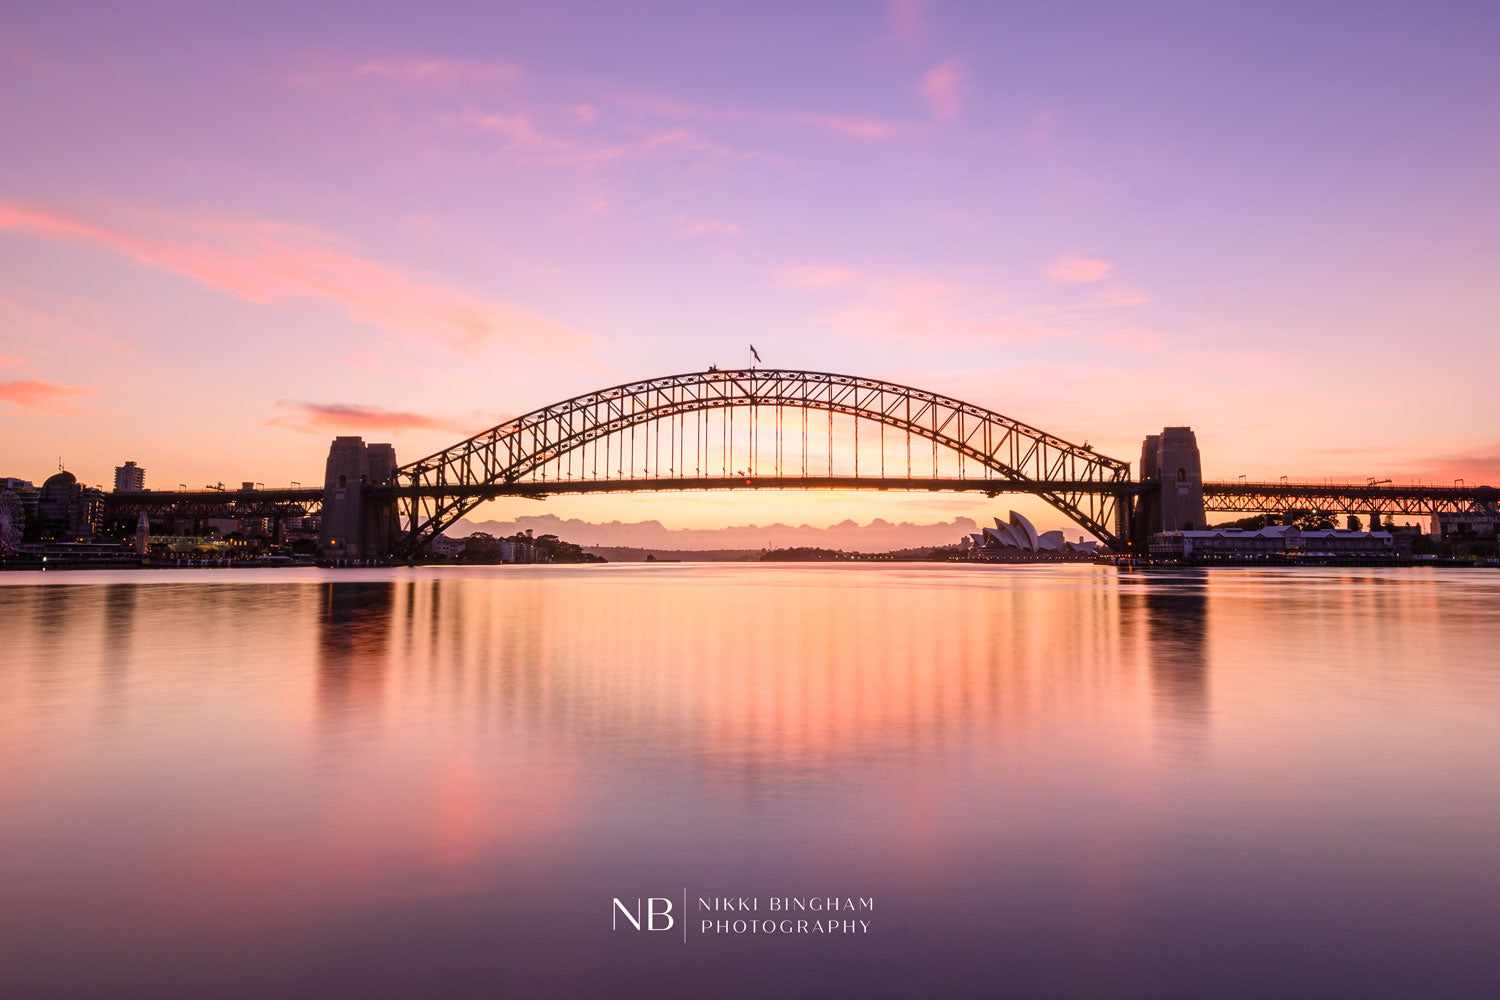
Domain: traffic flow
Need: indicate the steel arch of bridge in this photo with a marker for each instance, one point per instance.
(557, 449)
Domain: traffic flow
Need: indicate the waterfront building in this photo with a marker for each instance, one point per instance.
(12, 522)
(17, 512)
(129, 478)
(91, 552)
(191, 544)
(1448, 525)
(1280, 541)
(482, 547)
(445, 547)
(512, 551)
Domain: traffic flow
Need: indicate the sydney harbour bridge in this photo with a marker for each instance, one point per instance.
(752, 428)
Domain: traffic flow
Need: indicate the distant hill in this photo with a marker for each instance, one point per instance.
(652, 536)
(624, 553)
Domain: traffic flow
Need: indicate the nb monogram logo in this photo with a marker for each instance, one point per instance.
(657, 915)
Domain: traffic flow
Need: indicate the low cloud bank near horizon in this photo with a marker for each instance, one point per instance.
(879, 535)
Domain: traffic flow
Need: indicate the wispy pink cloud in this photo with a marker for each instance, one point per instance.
(691, 141)
(316, 417)
(1042, 131)
(50, 326)
(1102, 299)
(267, 262)
(676, 110)
(1229, 358)
(815, 276)
(555, 135)
(905, 22)
(519, 140)
(1079, 267)
(524, 141)
(442, 72)
(1043, 139)
(1138, 341)
(519, 135)
(1116, 297)
(1476, 466)
(960, 220)
(43, 397)
(428, 76)
(7, 359)
(941, 87)
(688, 226)
(925, 311)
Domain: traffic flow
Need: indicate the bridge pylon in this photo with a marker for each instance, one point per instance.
(1171, 494)
(356, 526)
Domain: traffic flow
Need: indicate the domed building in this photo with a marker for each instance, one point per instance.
(1019, 540)
(66, 510)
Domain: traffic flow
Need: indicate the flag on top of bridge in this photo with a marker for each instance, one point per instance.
(754, 353)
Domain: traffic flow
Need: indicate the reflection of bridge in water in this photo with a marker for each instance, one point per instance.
(774, 429)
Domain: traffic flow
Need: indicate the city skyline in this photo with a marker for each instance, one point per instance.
(411, 229)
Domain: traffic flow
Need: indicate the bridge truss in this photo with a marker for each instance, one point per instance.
(752, 428)
(1383, 499)
(207, 504)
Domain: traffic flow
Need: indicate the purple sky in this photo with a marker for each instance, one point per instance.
(226, 236)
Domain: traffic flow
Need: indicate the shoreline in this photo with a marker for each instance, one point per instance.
(1118, 563)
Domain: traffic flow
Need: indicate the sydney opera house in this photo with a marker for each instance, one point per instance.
(1020, 540)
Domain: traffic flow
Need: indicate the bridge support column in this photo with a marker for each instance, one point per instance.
(1172, 477)
(381, 522)
(1125, 524)
(1148, 500)
(1181, 481)
(354, 527)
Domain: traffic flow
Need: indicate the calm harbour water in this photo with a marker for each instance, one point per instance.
(1053, 781)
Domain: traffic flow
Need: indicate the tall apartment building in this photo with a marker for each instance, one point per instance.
(129, 478)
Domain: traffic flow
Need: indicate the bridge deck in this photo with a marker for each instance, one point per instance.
(148, 498)
(1222, 495)
(977, 484)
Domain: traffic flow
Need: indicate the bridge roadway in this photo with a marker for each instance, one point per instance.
(243, 503)
(543, 488)
(1236, 496)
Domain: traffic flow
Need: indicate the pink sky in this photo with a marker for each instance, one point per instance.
(225, 238)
